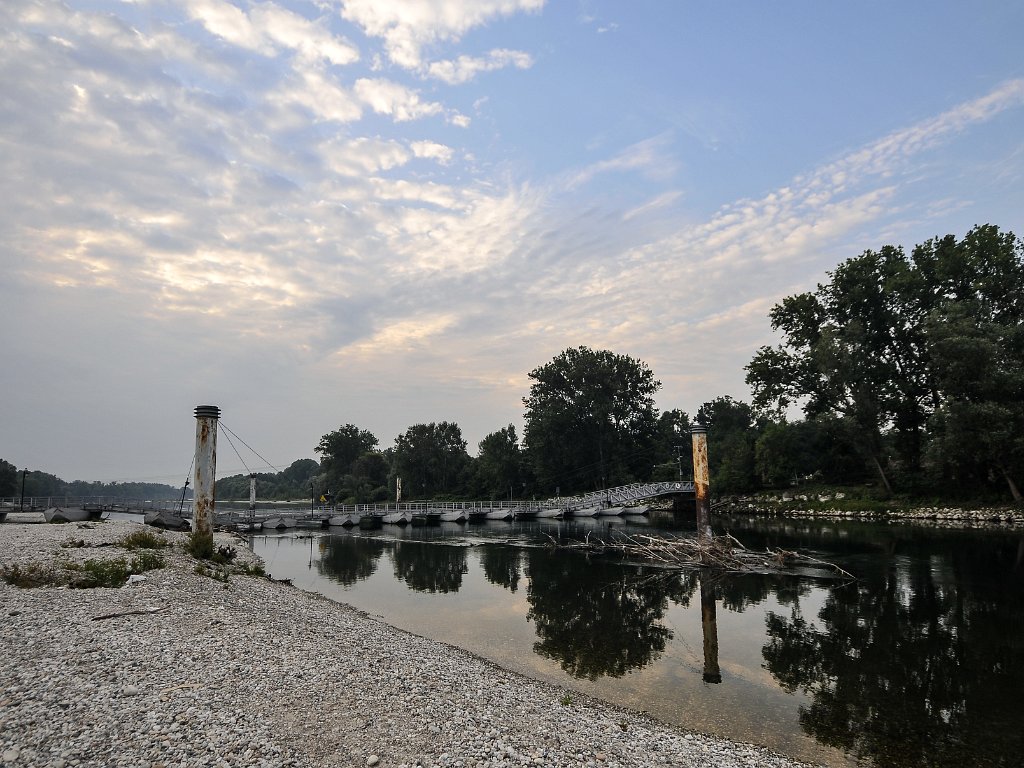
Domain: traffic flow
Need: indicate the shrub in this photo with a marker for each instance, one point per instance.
(144, 540)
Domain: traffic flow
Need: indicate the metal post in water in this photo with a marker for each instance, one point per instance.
(206, 475)
(709, 622)
(701, 484)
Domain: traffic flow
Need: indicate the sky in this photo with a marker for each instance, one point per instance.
(388, 212)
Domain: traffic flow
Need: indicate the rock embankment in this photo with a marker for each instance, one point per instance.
(196, 672)
(820, 506)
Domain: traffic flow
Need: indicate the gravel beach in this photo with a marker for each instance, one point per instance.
(197, 672)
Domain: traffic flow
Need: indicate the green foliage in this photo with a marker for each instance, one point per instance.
(498, 464)
(590, 421)
(921, 358)
(30, 575)
(431, 459)
(247, 569)
(144, 539)
(8, 479)
(200, 546)
(291, 483)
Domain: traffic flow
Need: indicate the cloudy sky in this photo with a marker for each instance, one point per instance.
(387, 212)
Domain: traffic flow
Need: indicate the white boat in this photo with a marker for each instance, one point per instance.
(587, 512)
(551, 512)
(610, 511)
(61, 515)
(499, 514)
(639, 509)
(453, 516)
(347, 520)
(398, 518)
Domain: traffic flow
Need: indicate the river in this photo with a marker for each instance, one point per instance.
(919, 662)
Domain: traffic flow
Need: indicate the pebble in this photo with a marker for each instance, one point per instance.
(282, 678)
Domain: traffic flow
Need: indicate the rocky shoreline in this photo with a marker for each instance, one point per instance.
(180, 668)
(817, 506)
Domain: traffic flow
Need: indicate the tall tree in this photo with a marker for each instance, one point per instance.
(499, 463)
(590, 420)
(733, 431)
(431, 459)
(8, 479)
(340, 449)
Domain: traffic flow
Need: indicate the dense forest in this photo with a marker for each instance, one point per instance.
(908, 371)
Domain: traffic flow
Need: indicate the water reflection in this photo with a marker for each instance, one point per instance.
(502, 565)
(347, 560)
(429, 567)
(595, 618)
(919, 663)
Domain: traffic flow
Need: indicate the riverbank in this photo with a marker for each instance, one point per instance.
(181, 669)
(837, 506)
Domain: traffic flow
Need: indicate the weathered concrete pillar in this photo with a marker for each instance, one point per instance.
(701, 483)
(206, 473)
(709, 622)
(252, 495)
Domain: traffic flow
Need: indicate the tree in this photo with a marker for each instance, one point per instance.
(431, 458)
(732, 434)
(8, 479)
(498, 465)
(590, 420)
(340, 449)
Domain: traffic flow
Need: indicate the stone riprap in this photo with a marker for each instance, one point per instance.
(258, 673)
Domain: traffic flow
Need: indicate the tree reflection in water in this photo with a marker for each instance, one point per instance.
(347, 559)
(908, 668)
(597, 617)
(429, 567)
(502, 565)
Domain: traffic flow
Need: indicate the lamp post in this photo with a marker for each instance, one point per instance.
(21, 506)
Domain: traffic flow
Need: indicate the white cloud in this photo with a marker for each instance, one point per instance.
(387, 97)
(269, 27)
(433, 151)
(465, 68)
(364, 156)
(407, 26)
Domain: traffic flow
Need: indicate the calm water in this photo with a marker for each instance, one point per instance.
(918, 663)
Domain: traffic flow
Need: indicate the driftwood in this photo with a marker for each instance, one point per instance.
(723, 553)
(146, 612)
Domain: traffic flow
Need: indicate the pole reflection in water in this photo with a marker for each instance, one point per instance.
(709, 624)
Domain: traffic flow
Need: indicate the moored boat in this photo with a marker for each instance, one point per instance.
(70, 515)
(347, 520)
(398, 518)
(610, 511)
(550, 512)
(453, 516)
(171, 521)
(499, 514)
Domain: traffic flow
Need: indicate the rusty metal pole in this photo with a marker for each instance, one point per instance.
(206, 475)
(709, 623)
(701, 484)
(252, 495)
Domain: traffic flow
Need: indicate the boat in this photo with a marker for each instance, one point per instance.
(347, 520)
(398, 518)
(453, 516)
(587, 512)
(370, 521)
(639, 509)
(500, 514)
(524, 514)
(170, 521)
(430, 517)
(70, 515)
(477, 515)
(610, 511)
(550, 512)
(311, 523)
(278, 523)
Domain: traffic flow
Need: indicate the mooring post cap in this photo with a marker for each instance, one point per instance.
(207, 412)
(698, 430)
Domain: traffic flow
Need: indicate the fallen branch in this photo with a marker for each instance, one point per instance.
(146, 612)
(724, 553)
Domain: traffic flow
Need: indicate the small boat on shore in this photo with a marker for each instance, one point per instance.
(169, 521)
(70, 515)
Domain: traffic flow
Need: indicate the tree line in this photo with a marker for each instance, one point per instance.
(908, 371)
